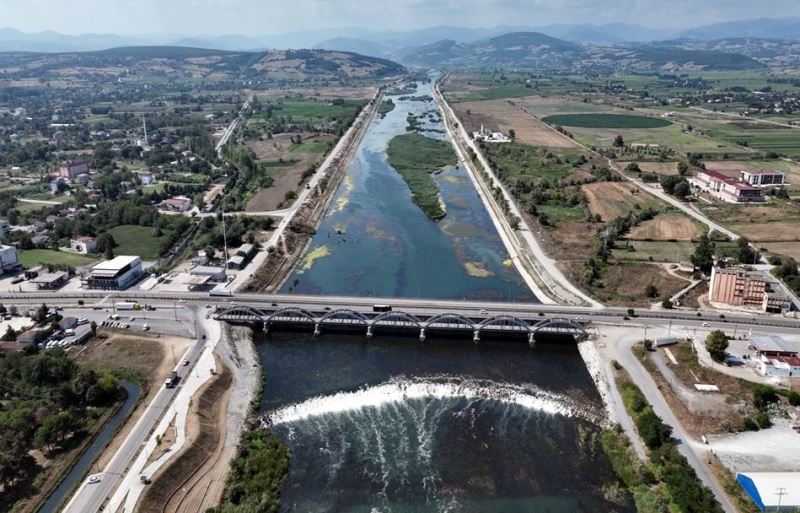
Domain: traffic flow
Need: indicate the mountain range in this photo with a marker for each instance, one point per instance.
(389, 43)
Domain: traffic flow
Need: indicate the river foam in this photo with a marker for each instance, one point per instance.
(399, 390)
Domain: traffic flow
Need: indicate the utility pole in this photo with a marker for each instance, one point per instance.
(780, 493)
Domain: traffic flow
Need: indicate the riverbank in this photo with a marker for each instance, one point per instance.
(539, 271)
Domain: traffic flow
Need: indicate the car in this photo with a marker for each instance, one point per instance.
(94, 479)
(83, 320)
(706, 325)
(208, 306)
(185, 363)
(18, 279)
(484, 312)
(274, 304)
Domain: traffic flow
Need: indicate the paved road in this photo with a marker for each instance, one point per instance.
(90, 496)
(693, 450)
(232, 127)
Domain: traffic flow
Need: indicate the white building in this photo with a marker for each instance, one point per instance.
(761, 177)
(779, 366)
(488, 136)
(9, 260)
(83, 245)
(116, 274)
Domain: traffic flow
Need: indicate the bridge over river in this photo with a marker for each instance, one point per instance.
(400, 321)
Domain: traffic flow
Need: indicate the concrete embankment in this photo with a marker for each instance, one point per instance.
(540, 272)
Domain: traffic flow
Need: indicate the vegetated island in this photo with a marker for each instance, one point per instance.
(385, 107)
(416, 158)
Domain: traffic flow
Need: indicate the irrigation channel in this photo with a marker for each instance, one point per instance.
(395, 425)
(375, 241)
(84, 463)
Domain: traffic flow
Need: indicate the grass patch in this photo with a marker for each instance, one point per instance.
(311, 147)
(606, 121)
(416, 157)
(32, 257)
(137, 240)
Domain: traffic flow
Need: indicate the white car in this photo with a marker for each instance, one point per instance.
(484, 312)
(706, 325)
(94, 479)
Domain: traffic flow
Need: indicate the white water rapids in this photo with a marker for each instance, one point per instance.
(399, 390)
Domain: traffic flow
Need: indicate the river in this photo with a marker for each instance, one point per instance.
(398, 426)
(375, 241)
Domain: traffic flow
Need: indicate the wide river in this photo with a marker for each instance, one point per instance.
(393, 425)
(375, 240)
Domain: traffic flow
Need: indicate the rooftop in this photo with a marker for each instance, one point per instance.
(772, 343)
(116, 264)
(48, 278)
(761, 487)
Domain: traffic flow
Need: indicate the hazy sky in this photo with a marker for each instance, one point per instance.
(261, 17)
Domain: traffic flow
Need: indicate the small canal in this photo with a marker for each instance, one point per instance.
(84, 463)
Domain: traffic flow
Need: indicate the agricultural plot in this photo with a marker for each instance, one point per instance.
(503, 115)
(659, 168)
(606, 121)
(790, 249)
(666, 227)
(759, 136)
(542, 106)
(614, 199)
(777, 221)
(654, 251)
(674, 137)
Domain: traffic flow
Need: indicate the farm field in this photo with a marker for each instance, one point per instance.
(666, 227)
(660, 168)
(760, 136)
(542, 106)
(672, 136)
(654, 251)
(504, 116)
(490, 93)
(317, 110)
(32, 257)
(605, 121)
(775, 221)
(790, 249)
(137, 240)
(614, 199)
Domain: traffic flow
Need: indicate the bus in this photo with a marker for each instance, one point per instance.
(381, 308)
(221, 292)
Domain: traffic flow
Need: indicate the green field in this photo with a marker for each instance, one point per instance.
(137, 240)
(494, 93)
(762, 137)
(32, 257)
(318, 110)
(416, 157)
(310, 147)
(606, 121)
(653, 251)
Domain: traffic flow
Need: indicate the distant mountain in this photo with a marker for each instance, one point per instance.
(765, 28)
(14, 40)
(611, 33)
(362, 46)
(178, 61)
(772, 52)
(514, 49)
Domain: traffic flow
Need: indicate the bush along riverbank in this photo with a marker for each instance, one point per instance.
(416, 158)
(666, 483)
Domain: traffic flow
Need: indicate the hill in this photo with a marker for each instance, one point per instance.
(764, 28)
(514, 49)
(677, 58)
(186, 62)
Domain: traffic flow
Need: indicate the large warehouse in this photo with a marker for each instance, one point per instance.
(772, 490)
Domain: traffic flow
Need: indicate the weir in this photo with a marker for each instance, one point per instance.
(402, 323)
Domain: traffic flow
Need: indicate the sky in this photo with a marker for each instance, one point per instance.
(263, 17)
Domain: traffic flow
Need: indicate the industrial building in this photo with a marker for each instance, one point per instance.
(772, 491)
(9, 260)
(116, 274)
(755, 290)
(762, 177)
(772, 346)
(726, 188)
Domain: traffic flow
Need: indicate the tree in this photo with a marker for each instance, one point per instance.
(703, 257)
(619, 142)
(41, 314)
(683, 168)
(652, 429)
(651, 291)
(512, 134)
(666, 304)
(746, 254)
(717, 344)
(633, 167)
(682, 189)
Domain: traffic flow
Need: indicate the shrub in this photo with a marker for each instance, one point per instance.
(749, 424)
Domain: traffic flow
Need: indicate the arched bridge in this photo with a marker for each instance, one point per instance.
(403, 320)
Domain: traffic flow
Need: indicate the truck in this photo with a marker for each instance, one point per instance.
(127, 305)
(220, 292)
(381, 308)
(172, 380)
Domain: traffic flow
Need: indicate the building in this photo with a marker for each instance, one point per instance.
(9, 260)
(761, 177)
(147, 178)
(50, 281)
(779, 366)
(726, 188)
(747, 289)
(116, 274)
(31, 337)
(241, 256)
(770, 491)
(176, 204)
(772, 346)
(487, 135)
(83, 245)
(70, 170)
(202, 275)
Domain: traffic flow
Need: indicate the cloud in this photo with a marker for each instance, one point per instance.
(274, 16)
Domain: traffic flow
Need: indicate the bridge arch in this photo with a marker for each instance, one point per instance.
(292, 312)
(560, 325)
(404, 318)
(240, 312)
(350, 316)
(451, 319)
(505, 322)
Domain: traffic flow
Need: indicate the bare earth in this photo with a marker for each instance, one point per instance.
(666, 227)
(614, 199)
(504, 116)
(791, 249)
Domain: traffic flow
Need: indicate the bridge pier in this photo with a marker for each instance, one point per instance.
(266, 326)
(422, 334)
(532, 339)
(476, 336)
(317, 329)
(369, 330)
